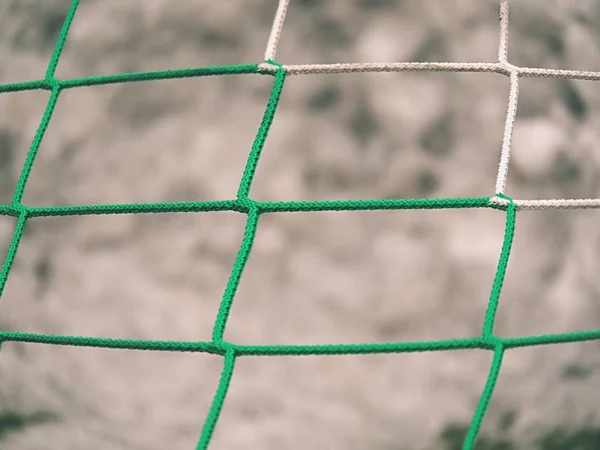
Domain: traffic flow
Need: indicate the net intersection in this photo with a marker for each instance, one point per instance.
(255, 209)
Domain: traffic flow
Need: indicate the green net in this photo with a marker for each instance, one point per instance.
(487, 340)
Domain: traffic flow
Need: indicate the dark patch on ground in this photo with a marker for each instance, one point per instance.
(427, 183)
(324, 99)
(554, 42)
(330, 33)
(572, 99)
(140, 107)
(559, 439)
(454, 435)
(507, 420)
(566, 172)
(327, 179)
(363, 123)
(7, 146)
(12, 422)
(575, 372)
(562, 439)
(218, 39)
(309, 3)
(438, 138)
(433, 49)
(550, 272)
(19, 348)
(43, 274)
(376, 4)
(41, 29)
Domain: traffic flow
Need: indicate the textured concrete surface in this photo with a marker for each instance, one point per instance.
(312, 278)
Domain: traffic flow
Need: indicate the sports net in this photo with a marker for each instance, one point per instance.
(230, 351)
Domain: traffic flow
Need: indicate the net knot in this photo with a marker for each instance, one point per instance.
(270, 66)
(19, 208)
(52, 83)
(505, 197)
(245, 205)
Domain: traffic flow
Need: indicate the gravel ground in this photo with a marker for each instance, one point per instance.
(312, 278)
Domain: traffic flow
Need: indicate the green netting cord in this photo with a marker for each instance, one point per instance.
(253, 209)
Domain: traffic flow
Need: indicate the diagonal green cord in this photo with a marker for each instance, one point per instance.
(488, 327)
(484, 401)
(11, 254)
(261, 136)
(35, 146)
(236, 275)
(509, 235)
(218, 400)
(60, 43)
(12, 251)
(58, 48)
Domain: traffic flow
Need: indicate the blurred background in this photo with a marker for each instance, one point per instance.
(312, 278)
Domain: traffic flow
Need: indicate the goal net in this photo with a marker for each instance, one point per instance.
(253, 209)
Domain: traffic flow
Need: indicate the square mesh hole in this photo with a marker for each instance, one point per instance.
(551, 284)
(21, 116)
(352, 402)
(545, 398)
(335, 31)
(152, 276)
(171, 140)
(70, 397)
(394, 135)
(29, 30)
(116, 37)
(554, 34)
(555, 142)
(369, 276)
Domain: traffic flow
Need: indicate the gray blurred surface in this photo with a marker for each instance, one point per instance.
(312, 277)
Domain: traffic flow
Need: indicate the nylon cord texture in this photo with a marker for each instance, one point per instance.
(253, 209)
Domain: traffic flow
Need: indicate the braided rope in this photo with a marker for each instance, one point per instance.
(254, 209)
